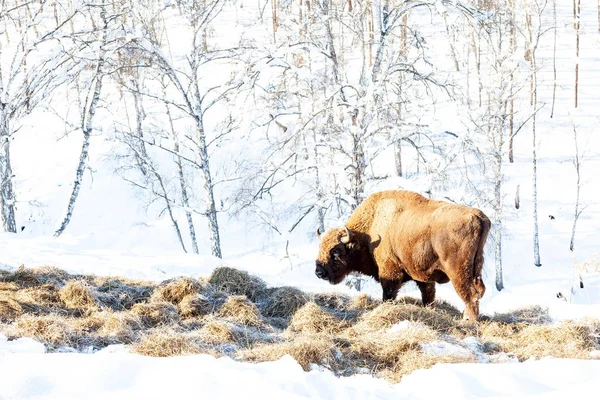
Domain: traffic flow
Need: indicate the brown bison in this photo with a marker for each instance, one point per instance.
(396, 236)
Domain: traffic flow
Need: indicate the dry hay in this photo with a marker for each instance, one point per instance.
(154, 314)
(284, 301)
(384, 350)
(60, 310)
(413, 360)
(363, 302)
(237, 282)
(567, 340)
(120, 327)
(28, 277)
(175, 290)
(335, 301)
(77, 294)
(390, 313)
(241, 310)
(217, 332)
(445, 307)
(194, 305)
(121, 293)
(46, 295)
(531, 315)
(32, 300)
(312, 319)
(50, 330)
(306, 350)
(8, 286)
(168, 343)
(9, 308)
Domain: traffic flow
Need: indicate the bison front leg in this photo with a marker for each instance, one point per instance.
(427, 292)
(390, 288)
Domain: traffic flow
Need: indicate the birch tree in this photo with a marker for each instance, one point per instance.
(29, 73)
(534, 31)
(89, 106)
(191, 92)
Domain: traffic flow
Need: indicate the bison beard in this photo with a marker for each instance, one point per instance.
(397, 236)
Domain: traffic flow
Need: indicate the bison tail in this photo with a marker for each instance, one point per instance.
(484, 229)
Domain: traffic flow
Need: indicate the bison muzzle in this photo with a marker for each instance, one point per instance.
(396, 236)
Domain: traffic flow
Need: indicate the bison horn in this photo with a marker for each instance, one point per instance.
(319, 233)
(347, 237)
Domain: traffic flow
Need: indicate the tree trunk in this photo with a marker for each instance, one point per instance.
(554, 62)
(536, 239)
(209, 197)
(398, 157)
(577, 25)
(577, 164)
(87, 127)
(139, 120)
(319, 189)
(498, 257)
(164, 195)
(498, 205)
(7, 197)
(183, 185)
(359, 166)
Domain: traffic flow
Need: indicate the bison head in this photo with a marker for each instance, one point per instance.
(335, 257)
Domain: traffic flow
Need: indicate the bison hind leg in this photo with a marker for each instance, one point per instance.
(427, 292)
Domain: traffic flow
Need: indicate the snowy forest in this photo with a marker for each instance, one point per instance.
(285, 115)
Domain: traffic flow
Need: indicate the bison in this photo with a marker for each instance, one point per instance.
(396, 236)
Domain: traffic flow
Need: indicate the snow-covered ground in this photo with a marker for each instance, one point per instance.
(27, 373)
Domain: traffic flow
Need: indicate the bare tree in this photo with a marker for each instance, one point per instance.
(576, 25)
(88, 112)
(192, 94)
(535, 33)
(577, 159)
(28, 77)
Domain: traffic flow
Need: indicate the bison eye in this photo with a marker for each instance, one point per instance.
(336, 253)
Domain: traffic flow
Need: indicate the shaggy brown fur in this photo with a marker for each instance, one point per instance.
(396, 236)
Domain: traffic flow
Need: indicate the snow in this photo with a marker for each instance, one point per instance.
(120, 375)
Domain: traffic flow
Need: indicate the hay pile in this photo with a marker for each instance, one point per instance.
(174, 291)
(168, 343)
(284, 301)
(312, 319)
(154, 314)
(334, 301)
(240, 309)
(237, 282)
(389, 313)
(120, 293)
(306, 350)
(233, 313)
(567, 340)
(77, 294)
(530, 315)
(217, 332)
(195, 305)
